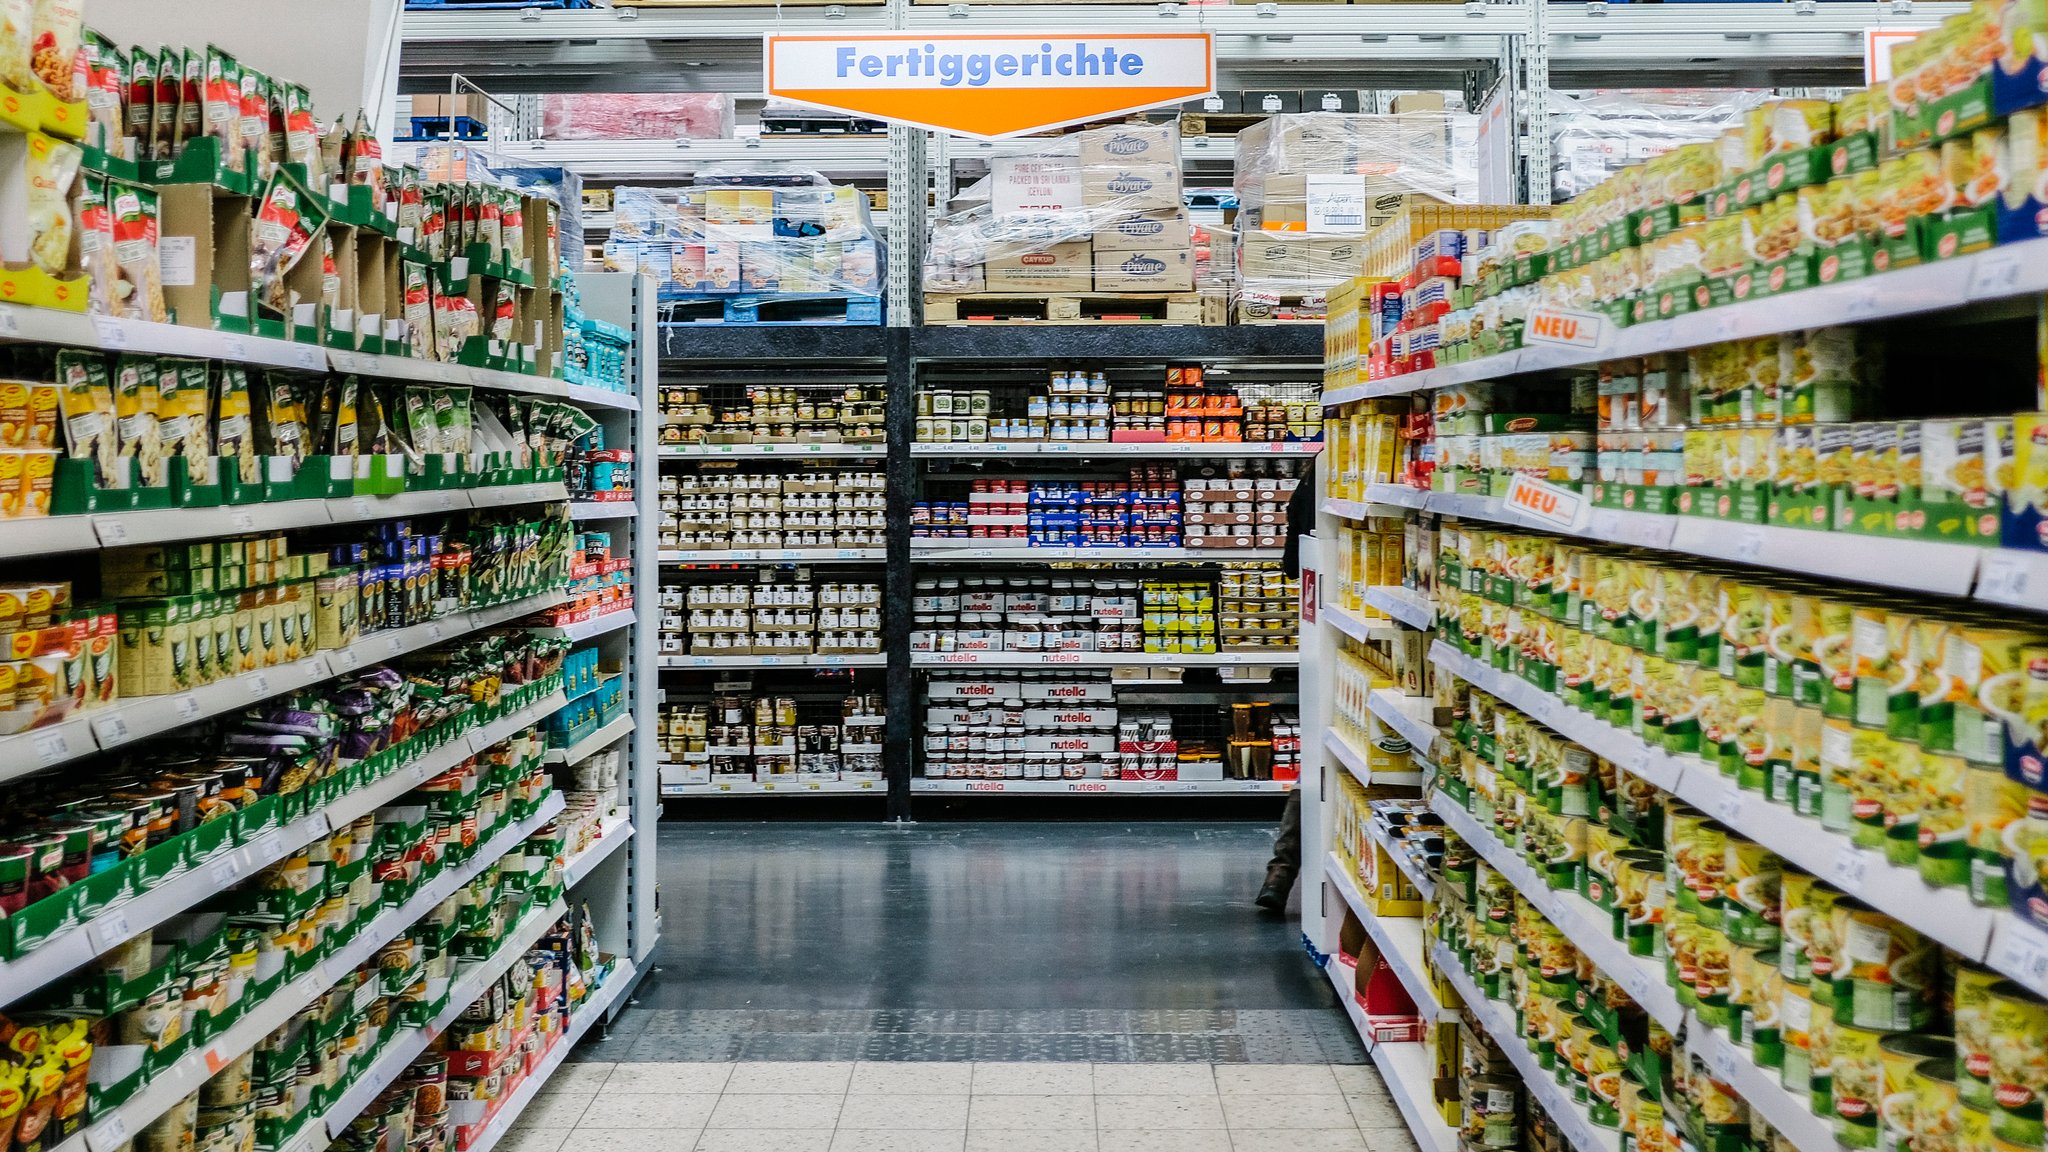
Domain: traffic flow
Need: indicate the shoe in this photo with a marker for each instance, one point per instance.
(1273, 893)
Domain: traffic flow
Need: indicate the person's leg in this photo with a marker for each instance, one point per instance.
(1286, 861)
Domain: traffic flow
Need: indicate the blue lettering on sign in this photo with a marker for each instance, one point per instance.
(976, 69)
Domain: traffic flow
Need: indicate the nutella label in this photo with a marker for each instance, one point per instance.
(1090, 691)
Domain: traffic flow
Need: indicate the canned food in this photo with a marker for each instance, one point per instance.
(1857, 1066)
(1973, 985)
(1903, 1055)
(2019, 1072)
(1752, 907)
(1886, 976)
(1492, 1112)
(1937, 1113)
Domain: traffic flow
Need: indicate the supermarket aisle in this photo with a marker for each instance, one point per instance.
(1006, 942)
(1097, 987)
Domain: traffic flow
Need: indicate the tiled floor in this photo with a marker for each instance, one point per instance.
(595, 1106)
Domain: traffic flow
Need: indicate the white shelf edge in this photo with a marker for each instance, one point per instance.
(772, 555)
(1416, 874)
(1385, 704)
(75, 947)
(1056, 449)
(1286, 658)
(133, 718)
(164, 1090)
(1403, 604)
(1397, 496)
(614, 831)
(1358, 627)
(1642, 977)
(603, 509)
(601, 624)
(791, 787)
(1406, 1070)
(580, 1023)
(1339, 745)
(405, 1046)
(1943, 914)
(1539, 1084)
(2008, 270)
(803, 660)
(1403, 955)
(927, 550)
(604, 398)
(1104, 787)
(597, 741)
(796, 451)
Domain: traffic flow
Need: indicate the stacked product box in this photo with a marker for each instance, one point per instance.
(1310, 186)
(777, 615)
(1236, 511)
(823, 508)
(1095, 211)
(767, 738)
(745, 232)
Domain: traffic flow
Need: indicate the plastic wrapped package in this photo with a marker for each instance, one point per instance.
(636, 116)
(747, 230)
(1593, 135)
(1311, 185)
(1097, 211)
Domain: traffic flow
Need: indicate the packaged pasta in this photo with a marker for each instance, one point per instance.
(140, 124)
(455, 321)
(96, 246)
(192, 105)
(287, 219)
(281, 422)
(139, 293)
(57, 29)
(302, 134)
(232, 424)
(106, 83)
(138, 433)
(220, 97)
(366, 162)
(252, 118)
(419, 310)
(17, 52)
(182, 397)
(87, 401)
(504, 310)
(52, 167)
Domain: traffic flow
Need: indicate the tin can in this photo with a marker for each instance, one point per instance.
(2019, 1074)
(1903, 1054)
(1753, 899)
(1972, 994)
(1991, 801)
(1492, 1112)
(1886, 976)
(1937, 1113)
(1858, 1082)
(1795, 1024)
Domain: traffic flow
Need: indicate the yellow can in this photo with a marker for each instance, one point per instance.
(1973, 985)
(1937, 1113)
(1903, 1054)
(1886, 976)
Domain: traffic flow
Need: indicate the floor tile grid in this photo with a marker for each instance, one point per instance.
(959, 1107)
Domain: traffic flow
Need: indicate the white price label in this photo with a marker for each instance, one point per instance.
(434, 631)
(110, 730)
(1851, 867)
(269, 848)
(1749, 544)
(242, 520)
(359, 507)
(344, 659)
(111, 332)
(2021, 951)
(10, 323)
(224, 871)
(1728, 809)
(1722, 1061)
(52, 747)
(1860, 304)
(107, 929)
(2003, 579)
(234, 348)
(1996, 274)
(315, 667)
(1637, 981)
(259, 684)
(309, 358)
(394, 646)
(186, 705)
(112, 531)
(107, 1135)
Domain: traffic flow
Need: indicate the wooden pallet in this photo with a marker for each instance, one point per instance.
(1069, 308)
(795, 309)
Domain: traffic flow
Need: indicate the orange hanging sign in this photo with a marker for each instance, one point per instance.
(991, 84)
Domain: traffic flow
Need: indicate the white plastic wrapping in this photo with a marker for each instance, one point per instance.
(747, 229)
(1096, 211)
(1311, 185)
(1595, 134)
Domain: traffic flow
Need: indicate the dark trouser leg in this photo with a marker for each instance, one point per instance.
(1287, 841)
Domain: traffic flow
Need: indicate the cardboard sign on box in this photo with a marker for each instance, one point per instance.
(1061, 267)
(1131, 144)
(1030, 185)
(1144, 232)
(1132, 188)
(1164, 271)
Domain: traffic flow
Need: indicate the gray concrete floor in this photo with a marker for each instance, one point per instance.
(1081, 942)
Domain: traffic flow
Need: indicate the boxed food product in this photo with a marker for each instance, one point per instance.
(743, 231)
